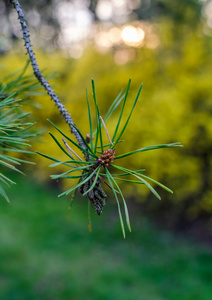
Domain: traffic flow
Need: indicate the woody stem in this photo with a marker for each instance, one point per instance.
(40, 77)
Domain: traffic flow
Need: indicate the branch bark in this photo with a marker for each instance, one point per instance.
(40, 77)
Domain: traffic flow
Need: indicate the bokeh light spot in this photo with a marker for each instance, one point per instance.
(132, 36)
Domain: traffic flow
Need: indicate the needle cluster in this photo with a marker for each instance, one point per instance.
(99, 158)
(100, 163)
(15, 124)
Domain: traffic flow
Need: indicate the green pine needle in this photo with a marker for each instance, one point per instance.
(15, 125)
(149, 148)
(122, 109)
(125, 125)
(100, 157)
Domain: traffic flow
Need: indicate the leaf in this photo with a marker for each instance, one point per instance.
(75, 169)
(125, 174)
(70, 161)
(56, 141)
(140, 178)
(10, 166)
(54, 159)
(84, 140)
(9, 159)
(94, 182)
(99, 129)
(6, 179)
(117, 200)
(112, 108)
(65, 176)
(68, 138)
(158, 183)
(90, 120)
(2, 192)
(16, 141)
(124, 202)
(49, 157)
(125, 125)
(78, 185)
(107, 145)
(148, 149)
(16, 150)
(122, 109)
(73, 188)
(15, 160)
(128, 180)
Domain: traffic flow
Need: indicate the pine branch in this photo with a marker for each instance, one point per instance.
(40, 77)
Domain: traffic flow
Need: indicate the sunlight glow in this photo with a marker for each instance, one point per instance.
(78, 29)
(208, 14)
(114, 35)
(104, 10)
(133, 36)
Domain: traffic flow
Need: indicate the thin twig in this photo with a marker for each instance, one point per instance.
(70, 149)
(40, 77)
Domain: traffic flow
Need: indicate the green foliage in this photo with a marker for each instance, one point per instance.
(176, 106)
(15, 127)
(101, 156)
(181, 12)
(50, 258)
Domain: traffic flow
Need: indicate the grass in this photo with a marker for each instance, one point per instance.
(44, 256)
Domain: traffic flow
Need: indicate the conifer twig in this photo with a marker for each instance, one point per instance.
(40, 77)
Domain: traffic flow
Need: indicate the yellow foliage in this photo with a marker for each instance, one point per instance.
(175, 105)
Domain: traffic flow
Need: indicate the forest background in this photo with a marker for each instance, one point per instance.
(170, 53)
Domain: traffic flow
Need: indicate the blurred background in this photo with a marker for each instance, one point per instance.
(166, 45)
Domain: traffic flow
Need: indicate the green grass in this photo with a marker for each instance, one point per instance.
(44, 256)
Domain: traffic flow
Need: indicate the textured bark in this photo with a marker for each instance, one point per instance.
(97, 196)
